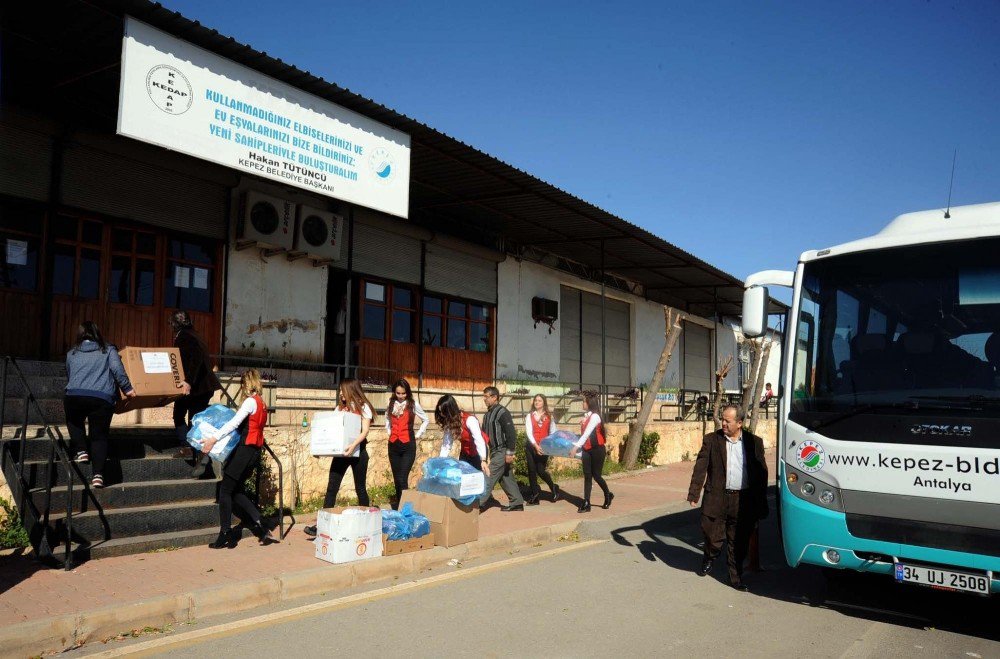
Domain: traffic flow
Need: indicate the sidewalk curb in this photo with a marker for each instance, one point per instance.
(65, 632)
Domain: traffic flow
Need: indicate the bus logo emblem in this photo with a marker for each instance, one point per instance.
(810, 456)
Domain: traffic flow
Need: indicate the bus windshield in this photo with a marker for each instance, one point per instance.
(908, 331)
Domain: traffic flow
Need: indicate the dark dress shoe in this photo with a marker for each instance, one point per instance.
(201, 467)
(742, 587)
(226, 540)
(607, 502)
(531, 501)
(518, 508)
(556, 493)
(310, 531)
(706, 567)
(584, 507)
(262, 533)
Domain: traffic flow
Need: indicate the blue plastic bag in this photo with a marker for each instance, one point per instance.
(215, 416)
(559, 443)
(452, 478)
(405, 523)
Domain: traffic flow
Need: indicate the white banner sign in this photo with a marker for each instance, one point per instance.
(184, 98)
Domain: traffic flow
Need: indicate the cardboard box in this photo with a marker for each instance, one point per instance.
(393, 547)
(157, 376)
(451, 522)
(343, 535)
(331, 432)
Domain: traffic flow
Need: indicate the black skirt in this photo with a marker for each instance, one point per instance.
(241, 462)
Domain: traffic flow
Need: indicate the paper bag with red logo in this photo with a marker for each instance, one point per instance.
(348, 534)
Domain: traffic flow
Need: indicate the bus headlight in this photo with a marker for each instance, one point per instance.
(793, 477)
(826, 497)
(808, 488)
(832, 556)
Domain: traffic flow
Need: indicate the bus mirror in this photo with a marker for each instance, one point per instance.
(755, 301)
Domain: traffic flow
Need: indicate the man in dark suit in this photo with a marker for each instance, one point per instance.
(735, 491)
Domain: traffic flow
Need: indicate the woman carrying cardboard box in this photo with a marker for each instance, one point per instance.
(400, 413)
(250, 420)
(94, 373)
(199, 387)
(352, 399)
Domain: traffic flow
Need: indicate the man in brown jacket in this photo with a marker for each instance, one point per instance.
(735, 491)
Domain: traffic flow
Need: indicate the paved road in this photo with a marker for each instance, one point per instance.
(633, 593)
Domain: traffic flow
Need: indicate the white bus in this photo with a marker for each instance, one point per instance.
(889, 415)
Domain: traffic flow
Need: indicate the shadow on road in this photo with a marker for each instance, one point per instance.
(675, 540)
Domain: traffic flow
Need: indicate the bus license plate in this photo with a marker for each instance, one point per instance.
(937, 578)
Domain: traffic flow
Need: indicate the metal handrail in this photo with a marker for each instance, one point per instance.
(55, 446)
(281, 479)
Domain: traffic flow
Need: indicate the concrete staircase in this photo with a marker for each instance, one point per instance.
(149, 502)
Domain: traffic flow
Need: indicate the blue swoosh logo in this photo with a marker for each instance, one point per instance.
(385, 172)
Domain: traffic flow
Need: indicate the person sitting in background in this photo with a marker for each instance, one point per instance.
(94, 374)
(766, 397)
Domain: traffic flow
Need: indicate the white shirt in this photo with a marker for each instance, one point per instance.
(530, 421)
(417, 411)
(593, 420)
(472, 423)
(248, 407)
(736, 469)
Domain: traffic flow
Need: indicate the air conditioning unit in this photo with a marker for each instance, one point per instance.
(543, 309)
(319, 234)
(267, 221)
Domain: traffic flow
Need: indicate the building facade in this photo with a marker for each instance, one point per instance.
(285, 238)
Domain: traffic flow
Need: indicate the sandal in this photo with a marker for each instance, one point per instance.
(97, 481)
(82, 456)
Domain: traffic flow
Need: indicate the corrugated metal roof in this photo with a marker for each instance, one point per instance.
(461, 190)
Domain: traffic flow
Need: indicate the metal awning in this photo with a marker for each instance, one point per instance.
(455, 188)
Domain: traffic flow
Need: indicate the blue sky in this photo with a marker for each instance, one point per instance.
(744, 132)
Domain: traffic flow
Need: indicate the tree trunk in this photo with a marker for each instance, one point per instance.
(720, 376)
(759, 386)
(756, 351)
(671, 333)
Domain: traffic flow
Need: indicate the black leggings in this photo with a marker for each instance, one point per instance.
(184, 410)
(359, 468)
(401, 457)
(537, 467)
(473, 460)
(238, 468)
(97, 413)
(593, 466)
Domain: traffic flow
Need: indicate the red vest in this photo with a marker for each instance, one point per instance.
(539, 428)
(598, 432)
(400, 427)
(257, 421)
(468, 443)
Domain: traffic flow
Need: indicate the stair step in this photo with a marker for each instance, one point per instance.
(130, 470)
(142, 544)
(142, 520)
(31, 367)
(52, 411)
(123, 445)
(127, 495)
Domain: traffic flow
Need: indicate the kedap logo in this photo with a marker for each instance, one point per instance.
(810, 456)
(169, 89)
(381, 164)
